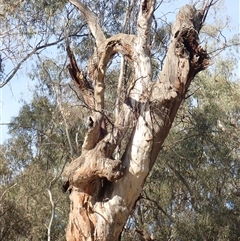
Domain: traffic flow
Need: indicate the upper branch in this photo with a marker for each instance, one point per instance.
(91, 21)
(145, 20)
(79, 78)
(185, 58)
(121, 43)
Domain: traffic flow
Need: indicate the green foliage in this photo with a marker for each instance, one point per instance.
(32, 161)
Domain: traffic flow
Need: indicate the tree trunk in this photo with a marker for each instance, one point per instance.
(103, 191)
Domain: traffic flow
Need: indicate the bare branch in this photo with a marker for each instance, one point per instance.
(145, 19)
(79, 78)
(30, 54)
(91, 21)
(206, 6)
(1, 198)
(52, 214)
(121, 43)
(185, 182)
(157, 205)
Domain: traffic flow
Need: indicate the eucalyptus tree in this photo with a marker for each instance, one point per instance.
(120, 148)
(104, 189)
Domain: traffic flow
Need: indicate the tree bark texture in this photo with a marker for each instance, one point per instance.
(103, 190)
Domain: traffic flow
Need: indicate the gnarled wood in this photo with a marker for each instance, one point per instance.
(103, 190)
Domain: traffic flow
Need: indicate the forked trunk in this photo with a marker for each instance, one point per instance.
(103, 191)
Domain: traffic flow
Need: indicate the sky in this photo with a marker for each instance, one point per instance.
(19, 88)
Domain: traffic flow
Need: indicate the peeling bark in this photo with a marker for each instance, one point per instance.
(103, 191)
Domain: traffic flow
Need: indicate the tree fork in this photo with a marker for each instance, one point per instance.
(103, 191)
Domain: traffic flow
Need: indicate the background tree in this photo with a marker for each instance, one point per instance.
(33, 206)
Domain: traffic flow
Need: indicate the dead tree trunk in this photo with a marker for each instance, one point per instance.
(103, 191)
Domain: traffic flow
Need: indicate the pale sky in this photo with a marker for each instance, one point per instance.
(20, 86)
